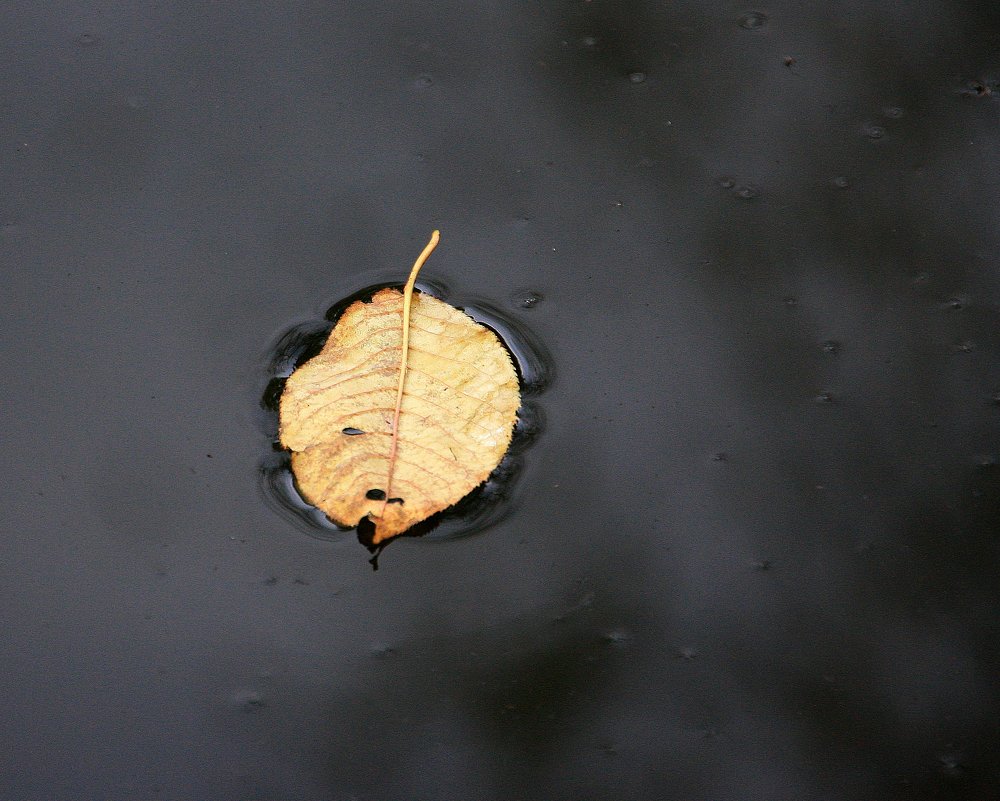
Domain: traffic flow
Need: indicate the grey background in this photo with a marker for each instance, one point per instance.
(741, 563)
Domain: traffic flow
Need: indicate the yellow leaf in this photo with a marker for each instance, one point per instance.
(410, 406)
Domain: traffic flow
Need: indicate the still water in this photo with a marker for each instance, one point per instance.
(750, 256)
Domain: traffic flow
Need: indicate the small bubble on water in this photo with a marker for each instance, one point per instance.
(720, 456)
(687, 653)
(382, 650)
(996, 399)
(892, 112)
(527, 299)
(725, 182)
(615, 637)
(136, 102)
(790, 301)
(977, 88)
(86, 39)
(752, 20)
(965, 346)
(954, 304)
(423, 82)
(824, 397)
(874, 131)
(588, 41)
(840, 182)
(637, 76)
(831, 346)
(950, 764)
(248, 701)
(748, 191)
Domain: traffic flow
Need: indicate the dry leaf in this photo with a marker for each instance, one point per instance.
(410, 406)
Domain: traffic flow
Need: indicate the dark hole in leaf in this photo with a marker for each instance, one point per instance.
(352, 432)
(395, 500)
(366, 533)
(375, 495)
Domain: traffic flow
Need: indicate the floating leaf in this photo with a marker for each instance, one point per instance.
(410, 406)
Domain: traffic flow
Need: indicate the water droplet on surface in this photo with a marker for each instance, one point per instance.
(831, 346)
(637, 76)
(752, 20)
(840, 182)
(748, 191)
(874, 131)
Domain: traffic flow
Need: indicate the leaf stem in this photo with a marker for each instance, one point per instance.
(407, 301)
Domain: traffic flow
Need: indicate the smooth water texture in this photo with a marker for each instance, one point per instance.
(752, 550)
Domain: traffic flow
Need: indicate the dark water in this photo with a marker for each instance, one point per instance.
(754, 552)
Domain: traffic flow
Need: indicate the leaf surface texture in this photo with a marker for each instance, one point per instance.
(456, 413)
